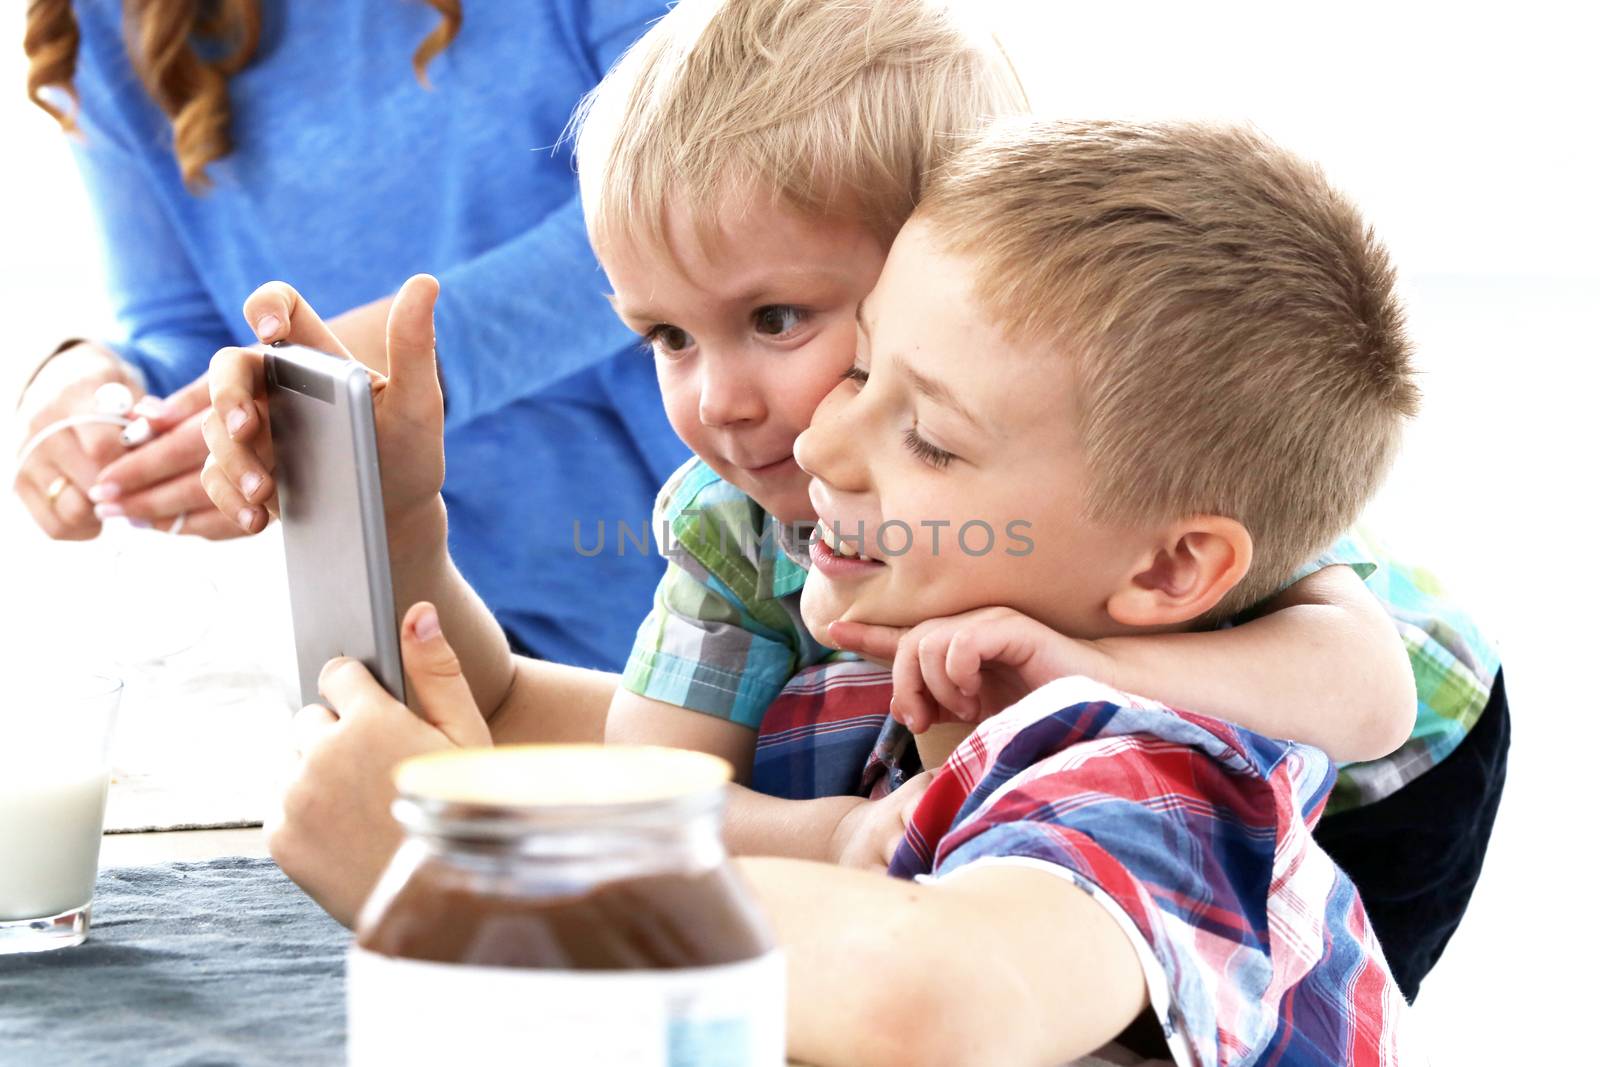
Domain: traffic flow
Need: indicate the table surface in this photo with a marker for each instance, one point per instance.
(143, 850)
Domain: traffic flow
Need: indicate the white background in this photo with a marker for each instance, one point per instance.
(1468, 134)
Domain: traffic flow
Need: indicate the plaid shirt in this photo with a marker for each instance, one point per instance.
(1453, 662)
(725, 633)
(1193, 834)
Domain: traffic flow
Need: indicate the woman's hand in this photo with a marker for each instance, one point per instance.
(159, 482)
(335, 834)
(967, 667)
(408, 408)
(55, 482)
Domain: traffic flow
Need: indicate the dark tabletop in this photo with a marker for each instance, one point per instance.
(223, 962)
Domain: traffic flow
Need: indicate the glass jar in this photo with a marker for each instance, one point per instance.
(564, 904)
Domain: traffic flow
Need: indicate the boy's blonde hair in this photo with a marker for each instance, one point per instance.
(832, 107)
(1236, 342)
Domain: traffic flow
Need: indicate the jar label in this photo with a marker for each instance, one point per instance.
(412, 1011)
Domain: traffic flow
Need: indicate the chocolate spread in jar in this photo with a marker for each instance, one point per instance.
(649, 922)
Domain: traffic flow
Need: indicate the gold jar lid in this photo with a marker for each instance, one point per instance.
(561, 776)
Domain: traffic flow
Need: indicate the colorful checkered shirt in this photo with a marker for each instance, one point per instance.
(725, 633)
(1194, 835)
(1453, 662)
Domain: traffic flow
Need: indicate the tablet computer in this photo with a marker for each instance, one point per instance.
(330, 504)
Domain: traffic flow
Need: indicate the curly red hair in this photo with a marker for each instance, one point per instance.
(189, 85)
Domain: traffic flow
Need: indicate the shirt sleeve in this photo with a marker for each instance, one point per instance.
(170, 324)
(1256, 941)
(534, 310)
(523, 316)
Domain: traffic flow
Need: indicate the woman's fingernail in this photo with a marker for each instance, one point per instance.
(267, 326)
(105, 491)
(236, 419)
(250, 483)
(427, 626)
(108, 511)
(151, 407)
(247, 517)
(139, 524)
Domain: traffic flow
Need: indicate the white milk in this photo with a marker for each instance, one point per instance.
(50, 823)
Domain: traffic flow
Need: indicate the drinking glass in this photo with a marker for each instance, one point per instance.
(55, 766)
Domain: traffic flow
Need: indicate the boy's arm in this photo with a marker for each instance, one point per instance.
(989, 965)
(753, 823)
(1323, 665)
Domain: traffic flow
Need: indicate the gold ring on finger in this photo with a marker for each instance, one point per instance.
(54, 490)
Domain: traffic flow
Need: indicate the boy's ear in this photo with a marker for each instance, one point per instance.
(1196, 562)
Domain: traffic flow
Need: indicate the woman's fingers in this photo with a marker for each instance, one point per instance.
(163, 502)
(48, 519)
(179, 450)
(276, 312)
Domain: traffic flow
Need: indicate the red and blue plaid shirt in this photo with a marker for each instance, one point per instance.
(1193, 833)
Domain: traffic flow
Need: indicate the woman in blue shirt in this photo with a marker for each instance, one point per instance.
(343, 147)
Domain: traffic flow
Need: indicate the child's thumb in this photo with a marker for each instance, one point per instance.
(413, 372)
(439, 689)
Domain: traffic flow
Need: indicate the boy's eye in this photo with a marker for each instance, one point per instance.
(777, 320)
(855, 374)
(929, 453)
(667, 339)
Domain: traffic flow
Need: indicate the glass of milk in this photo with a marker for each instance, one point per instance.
(55, 740)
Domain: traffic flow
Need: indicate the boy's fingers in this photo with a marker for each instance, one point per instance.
(908, 690)
(247, 465)
(349, 686)
(276, 312)
(875, 642)
(413, 369)
(439, 688)
(228, 501)
(931, 659)
(237, 376)
(311, 724)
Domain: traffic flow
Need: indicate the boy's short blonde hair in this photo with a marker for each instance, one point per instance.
(831, 107)
(1231, 322)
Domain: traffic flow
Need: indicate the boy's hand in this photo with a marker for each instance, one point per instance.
(869, 832)
(335, 834)
(408, 407)
(967, 667)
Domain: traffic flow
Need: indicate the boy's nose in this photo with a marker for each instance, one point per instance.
(728, 397)
(828, 449)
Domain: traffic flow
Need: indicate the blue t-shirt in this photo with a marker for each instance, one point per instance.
(346, 177)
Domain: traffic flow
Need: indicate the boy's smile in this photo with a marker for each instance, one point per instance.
(949, 459)
(750, 326)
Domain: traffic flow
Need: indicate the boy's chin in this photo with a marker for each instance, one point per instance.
(819, 606)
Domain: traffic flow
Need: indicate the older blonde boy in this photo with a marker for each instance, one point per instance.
(1070, 308)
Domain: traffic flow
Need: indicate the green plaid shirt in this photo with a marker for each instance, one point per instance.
(725, 634)
(1453, 662)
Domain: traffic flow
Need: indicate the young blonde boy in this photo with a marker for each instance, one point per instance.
(745, 168)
